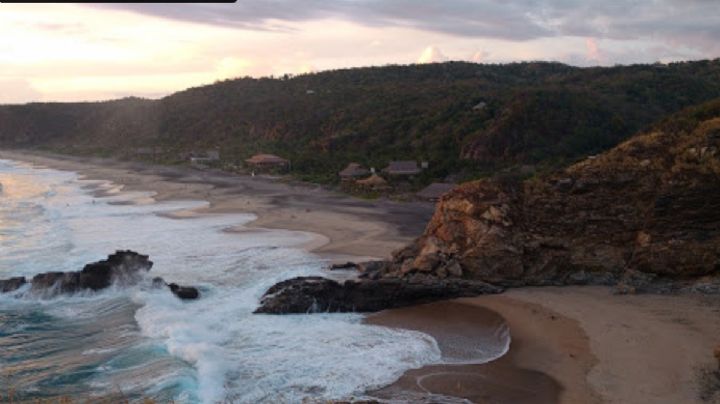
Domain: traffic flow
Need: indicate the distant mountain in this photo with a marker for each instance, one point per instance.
(461, 117)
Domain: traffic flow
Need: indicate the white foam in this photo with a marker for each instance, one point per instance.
(234, 354)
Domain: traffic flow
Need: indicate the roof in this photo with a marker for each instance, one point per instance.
(354, 170)
(436, 190)
(373, 181)
(402, 167)
(266, 159)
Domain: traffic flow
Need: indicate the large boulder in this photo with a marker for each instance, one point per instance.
(316, 294)
(184, 292)
(123, 268)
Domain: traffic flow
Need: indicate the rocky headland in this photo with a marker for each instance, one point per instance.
(644, 217)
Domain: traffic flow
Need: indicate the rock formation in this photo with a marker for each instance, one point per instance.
(645, 215)
(316, 294)
(9, 285)
(184, 292)
(124, 268)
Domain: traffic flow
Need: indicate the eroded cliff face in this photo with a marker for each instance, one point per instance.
(647, 211)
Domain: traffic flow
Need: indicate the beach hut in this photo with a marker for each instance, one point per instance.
(374, 182)
(352, 171)
(434, 191)
(267, 161)
(402, 168)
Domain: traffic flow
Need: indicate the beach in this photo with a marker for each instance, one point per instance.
(569, 345)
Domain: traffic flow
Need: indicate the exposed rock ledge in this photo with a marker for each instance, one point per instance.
(314, 294)
(124, 268)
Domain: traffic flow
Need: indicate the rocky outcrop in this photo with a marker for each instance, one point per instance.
(184, 292)
(12, 284)
(124, 268)
(645, 215)
(717, 355)
(316, 294)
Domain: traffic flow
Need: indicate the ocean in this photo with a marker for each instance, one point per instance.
(137, 342)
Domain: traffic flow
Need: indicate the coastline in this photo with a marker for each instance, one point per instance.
(569, 344)
(344, 228)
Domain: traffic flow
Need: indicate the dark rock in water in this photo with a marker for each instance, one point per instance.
(12, 284)
(347, 265)
(317, 294)
(158, 282)
(184, 292)
(123, 268)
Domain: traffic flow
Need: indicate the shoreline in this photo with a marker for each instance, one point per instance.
(583, 344)
(345, 228)
(569, 344)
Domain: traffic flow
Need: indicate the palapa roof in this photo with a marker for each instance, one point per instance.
(436, 190)
(402, 167)
(372, 181)
(266, 159)
(354, 170)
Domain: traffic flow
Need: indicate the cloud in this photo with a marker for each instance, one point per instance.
(431, 54)
(693, 22)
(593, 53)
(479, 56)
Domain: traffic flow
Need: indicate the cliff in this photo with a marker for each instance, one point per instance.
(645, 214)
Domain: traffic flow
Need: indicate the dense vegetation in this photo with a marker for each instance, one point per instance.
(527, 113)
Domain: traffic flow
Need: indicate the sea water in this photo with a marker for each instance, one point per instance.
(135, 342)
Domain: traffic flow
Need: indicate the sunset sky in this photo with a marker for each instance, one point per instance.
(69, 52)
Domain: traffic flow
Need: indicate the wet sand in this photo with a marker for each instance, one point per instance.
(571, 345)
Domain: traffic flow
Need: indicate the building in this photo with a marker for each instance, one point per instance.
(373, 182)
(435, 191)
(352, 171)
(400, 168)
(267, 161)
(204, 159)
(480, 106)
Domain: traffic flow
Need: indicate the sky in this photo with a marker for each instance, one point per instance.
(89, 52)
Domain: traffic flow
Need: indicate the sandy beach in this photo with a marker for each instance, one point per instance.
(569, 345)
(346, 227)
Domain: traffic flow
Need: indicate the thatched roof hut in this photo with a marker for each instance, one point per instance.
(267, 160)
(434, 191)
(353, 170)
(373, 181)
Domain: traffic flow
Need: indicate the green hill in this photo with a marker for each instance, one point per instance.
(463, 118)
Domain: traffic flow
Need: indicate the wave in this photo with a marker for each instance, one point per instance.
(146, 342)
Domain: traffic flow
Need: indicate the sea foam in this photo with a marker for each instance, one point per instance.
(147, 342)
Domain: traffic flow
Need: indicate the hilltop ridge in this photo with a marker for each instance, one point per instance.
(465, 118)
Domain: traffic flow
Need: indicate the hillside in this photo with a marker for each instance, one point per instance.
(527, 113)
(645, 214)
